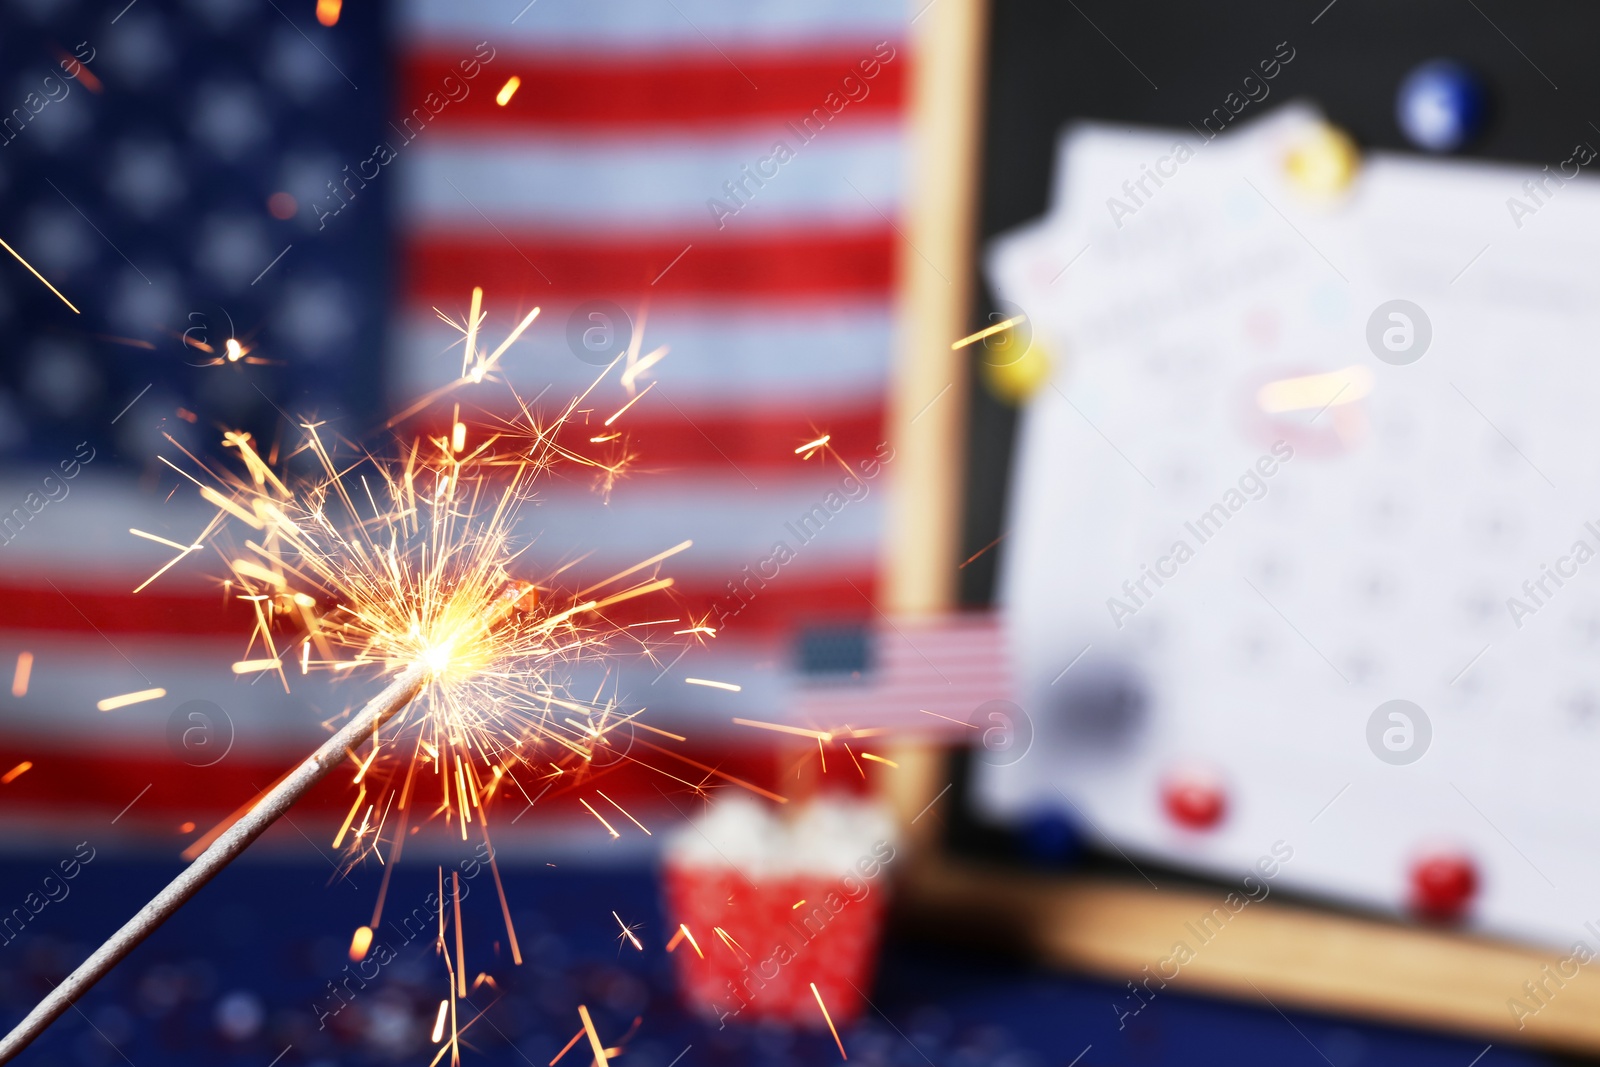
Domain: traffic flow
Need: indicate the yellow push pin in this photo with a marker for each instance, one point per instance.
(1323, 162)
(1018, 379)
(1012, 364)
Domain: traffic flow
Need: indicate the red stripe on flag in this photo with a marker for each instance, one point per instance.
(441, 267)
(763, 606)
(151, 786)
(671, 90)
(665, 433)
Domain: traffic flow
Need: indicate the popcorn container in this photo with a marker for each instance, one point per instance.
(764, 910)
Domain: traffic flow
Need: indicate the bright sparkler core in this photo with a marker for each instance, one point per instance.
(384, 566)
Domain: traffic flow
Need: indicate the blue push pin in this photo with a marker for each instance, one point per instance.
(1442, 105)
(1050, 838)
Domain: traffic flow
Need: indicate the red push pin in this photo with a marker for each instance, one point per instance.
(1443, 885)
(1195, 800)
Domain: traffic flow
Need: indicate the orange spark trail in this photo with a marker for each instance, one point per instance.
(16, 772)
(820, 735)
(626, 932)
(19, 680)
(600, 1057)
(113, 703)
(602, 819)
(828, 1017)
(981, 551)
(624, 811)
(628, 405)
(41, 277)
(729, 686)
(568, 1046)
(461, 951)
(989, 331)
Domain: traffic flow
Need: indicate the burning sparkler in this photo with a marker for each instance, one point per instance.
(406, 569)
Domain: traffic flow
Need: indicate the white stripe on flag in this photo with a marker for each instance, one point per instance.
(731, 523)
(612, 26)
(828, 354)
(629, 183)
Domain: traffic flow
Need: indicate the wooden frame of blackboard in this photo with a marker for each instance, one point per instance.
(993, 81)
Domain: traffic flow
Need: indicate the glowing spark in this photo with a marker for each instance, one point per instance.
(328, 11)
(41, 277)
(211, 496)
(461, 952)
(624, 811)
(692, 942)
(438, 1023)
(981, 551)
(727, 939)
(813, 445)
(507, 91)
(483, 368)
(629, 404)
(696, 630)
(879, 759)
(568, 1046)
(113, 703)
(19, 680)
(162, 540)
(75, 69)
(602, 819)
(600, 1057)
(350, 818)
(653, 560)
(729, 686)
(474, 317)
(186, 828)
(359, 943)
(234, 350)
(458, 437)
(248, 666)
(797, 904)
(627, 932)
(828, 1017)
(16, 772)
(634, 369)
(820, 735)
(989, 332)
(603, 440)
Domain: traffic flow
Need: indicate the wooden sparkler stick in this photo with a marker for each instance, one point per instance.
(224, 850)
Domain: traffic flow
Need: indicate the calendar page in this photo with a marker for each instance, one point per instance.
(1303, 546)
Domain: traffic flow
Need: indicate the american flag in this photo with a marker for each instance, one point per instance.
(721, 179)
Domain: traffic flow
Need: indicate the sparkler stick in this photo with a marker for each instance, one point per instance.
(224, 850)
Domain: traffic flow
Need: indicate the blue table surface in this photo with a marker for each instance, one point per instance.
(238, 976)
